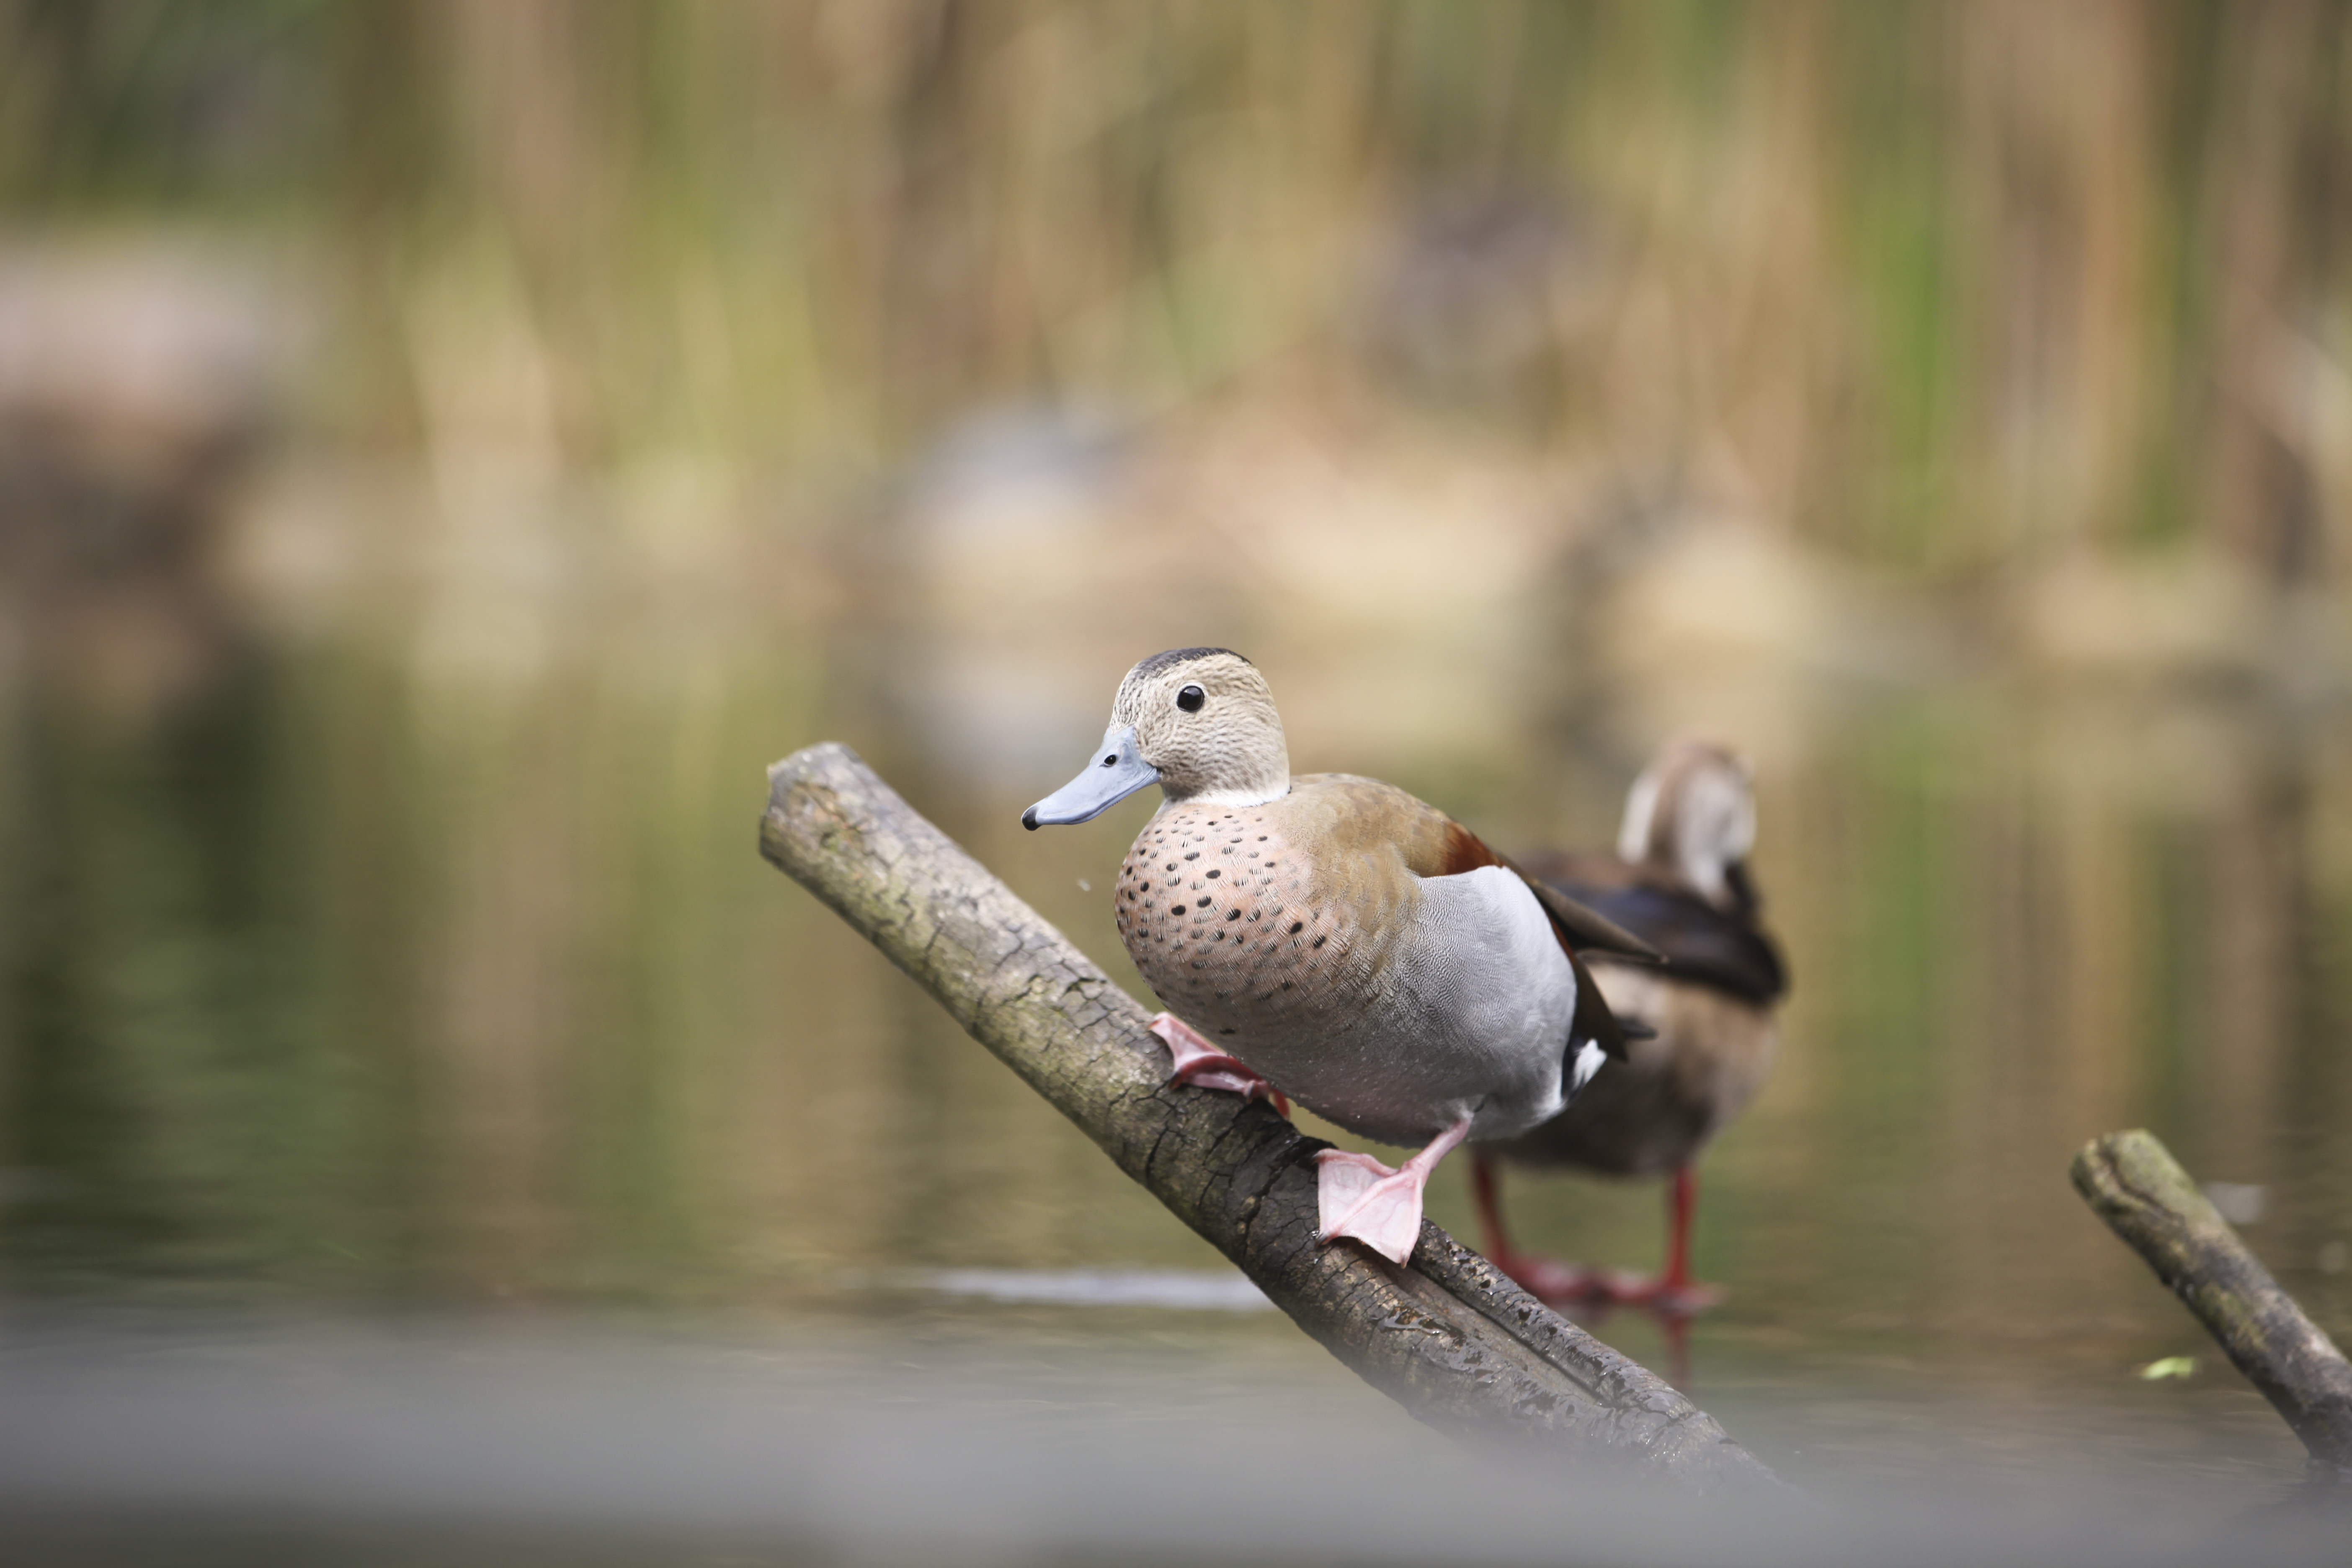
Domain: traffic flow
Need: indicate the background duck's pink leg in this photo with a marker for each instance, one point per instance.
(1673, 1291)
(1357, 1195)
(1676, 1291)
(1543, 1278)
(1682, 1203)
(1198, 1061)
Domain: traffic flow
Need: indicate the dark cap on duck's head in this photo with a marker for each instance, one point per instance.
(1145, 668)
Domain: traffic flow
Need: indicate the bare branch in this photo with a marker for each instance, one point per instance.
(2132, 1182)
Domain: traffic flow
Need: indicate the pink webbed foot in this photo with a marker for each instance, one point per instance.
(1356, 1195)
(1199, 1062)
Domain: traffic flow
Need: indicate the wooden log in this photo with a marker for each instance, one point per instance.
(1449, 1337)
(2132, 1182)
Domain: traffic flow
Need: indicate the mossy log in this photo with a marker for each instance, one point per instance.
(2132, 1182)
(1448, 1337)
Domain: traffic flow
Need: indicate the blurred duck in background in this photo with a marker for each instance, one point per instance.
(1679, 881)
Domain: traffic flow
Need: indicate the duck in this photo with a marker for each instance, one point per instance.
(1333, 941)
(1680, 881)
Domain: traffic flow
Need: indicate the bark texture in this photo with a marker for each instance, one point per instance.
(2132, 1182)
(1449, 1337)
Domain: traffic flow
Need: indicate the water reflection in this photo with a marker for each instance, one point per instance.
(346, 982)
(1227, 1291)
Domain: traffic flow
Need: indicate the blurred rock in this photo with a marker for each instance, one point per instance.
(2158, 617)
(135, 388)
(1709, 617)
(1394, 583)
(1008, 547)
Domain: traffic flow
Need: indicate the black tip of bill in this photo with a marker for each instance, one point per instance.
(1029, 819)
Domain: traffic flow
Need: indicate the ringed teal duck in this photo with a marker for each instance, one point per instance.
(1335, 940)
(1679, 879)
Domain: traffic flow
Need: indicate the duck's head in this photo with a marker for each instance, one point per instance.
(1197, 721)
(1693, 813)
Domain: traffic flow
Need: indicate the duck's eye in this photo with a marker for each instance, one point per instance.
(1190, 698)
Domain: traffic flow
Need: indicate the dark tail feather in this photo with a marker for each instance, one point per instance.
(1594, 1020)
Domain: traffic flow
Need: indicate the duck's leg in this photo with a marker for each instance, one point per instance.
(1357, 1195)
(1542, 1277)
(1677, 1291)
(1682, 1203)
(1198, 1061)
(1673, 1291)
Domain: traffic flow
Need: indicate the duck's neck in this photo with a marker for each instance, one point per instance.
(1695, 834)
(1709, 871)
(1241, 764)
(1239, 794)
(1249, 774)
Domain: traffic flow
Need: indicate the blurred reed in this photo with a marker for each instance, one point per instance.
(1953, 290)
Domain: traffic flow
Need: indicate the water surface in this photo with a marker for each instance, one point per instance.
(423, 963)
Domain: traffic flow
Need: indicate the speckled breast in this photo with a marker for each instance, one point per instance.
(1308, 978)
(1216, 910)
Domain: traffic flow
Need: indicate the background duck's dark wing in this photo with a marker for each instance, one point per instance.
(1588, 926)
(1454, 849)
(1700, 943)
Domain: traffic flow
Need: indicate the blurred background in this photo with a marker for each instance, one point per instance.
(446, 450)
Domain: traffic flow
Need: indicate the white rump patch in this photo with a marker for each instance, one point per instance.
(1589, 1058)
